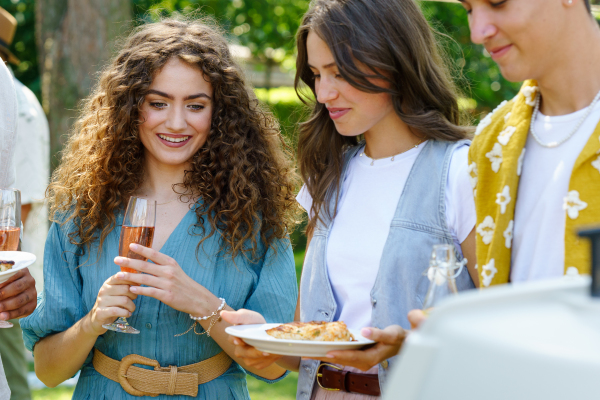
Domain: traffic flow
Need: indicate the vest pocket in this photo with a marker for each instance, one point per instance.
(399, 223)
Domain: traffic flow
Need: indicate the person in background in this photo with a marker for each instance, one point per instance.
(384, 161)
(535, 160)
(31, 160)
(18, 296)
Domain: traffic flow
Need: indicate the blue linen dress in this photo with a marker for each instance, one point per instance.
(72, 282)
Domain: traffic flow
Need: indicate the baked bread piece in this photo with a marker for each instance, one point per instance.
(315, 330)
(5, 265)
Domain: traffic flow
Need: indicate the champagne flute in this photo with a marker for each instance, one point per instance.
(138, 227)
(442, 274)
(10, 225)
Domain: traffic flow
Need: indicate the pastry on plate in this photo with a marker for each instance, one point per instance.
(315, 330)
(5, 265)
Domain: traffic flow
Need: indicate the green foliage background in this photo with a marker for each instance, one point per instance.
(477, 74)
(23, 45)
(267, 27)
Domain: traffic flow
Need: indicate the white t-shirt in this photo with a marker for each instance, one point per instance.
(362, 224)
(32, 160)
(539, 233)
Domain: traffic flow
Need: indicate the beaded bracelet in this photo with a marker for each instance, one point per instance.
(212, 323)
(221, 307)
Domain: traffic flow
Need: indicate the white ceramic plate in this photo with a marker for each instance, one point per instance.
(256, 335)
(22, 260)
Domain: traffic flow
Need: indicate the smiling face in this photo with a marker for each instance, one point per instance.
(176, 114)
(353, 112)
(523, 36)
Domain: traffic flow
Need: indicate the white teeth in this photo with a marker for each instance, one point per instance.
(174, 140)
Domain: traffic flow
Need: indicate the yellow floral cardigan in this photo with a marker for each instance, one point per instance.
(495, 161)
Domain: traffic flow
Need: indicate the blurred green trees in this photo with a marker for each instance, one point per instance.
(23, 45)
(477, 74)
(267, 28)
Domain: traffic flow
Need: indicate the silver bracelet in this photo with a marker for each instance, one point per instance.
(221, 307)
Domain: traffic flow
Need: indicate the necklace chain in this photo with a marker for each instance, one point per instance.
(402, 152)
(570, 135)
(162, 204)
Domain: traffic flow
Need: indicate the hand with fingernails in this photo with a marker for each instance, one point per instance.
(166, 281)
(388, 344)
(114, 300)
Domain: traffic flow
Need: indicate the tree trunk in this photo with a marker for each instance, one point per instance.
(75, 40)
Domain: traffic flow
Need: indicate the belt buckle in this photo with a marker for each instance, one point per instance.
(320, 375)
(124, 365)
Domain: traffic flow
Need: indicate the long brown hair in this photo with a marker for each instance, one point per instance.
(244, 173)
(393, 40)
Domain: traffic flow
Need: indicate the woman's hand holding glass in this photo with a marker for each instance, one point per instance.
(166, 281)
(114, 300)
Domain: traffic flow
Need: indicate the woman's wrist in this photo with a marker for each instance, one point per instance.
(87, 327)
(290, 363)
(205, 306)
(213, 314)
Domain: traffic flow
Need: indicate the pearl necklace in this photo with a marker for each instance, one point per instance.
(570, 135)
(377, 159)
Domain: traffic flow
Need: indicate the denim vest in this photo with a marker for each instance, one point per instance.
(419, 222)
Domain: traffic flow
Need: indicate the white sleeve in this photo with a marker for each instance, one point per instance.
(4, 389)
(460, 204)
(8, 123)
(304, 199)
(32, 149)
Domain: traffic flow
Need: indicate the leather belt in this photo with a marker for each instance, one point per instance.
(171, 380)
(352, 382)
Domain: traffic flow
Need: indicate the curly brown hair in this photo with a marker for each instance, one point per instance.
(244, 173)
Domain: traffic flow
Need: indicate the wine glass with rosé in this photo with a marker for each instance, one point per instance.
(10, 226)
(138, 227)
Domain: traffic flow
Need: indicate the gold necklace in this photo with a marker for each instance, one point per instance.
(159, 204)
(402, 152)
(162, 204)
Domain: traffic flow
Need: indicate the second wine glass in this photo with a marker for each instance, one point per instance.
(442, 273)
(10, 226)
(138, 227)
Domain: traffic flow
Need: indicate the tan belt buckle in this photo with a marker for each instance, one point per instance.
(320, 375)
(124, 365)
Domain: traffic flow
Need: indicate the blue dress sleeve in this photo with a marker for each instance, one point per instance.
(60, 305)
(276, 292)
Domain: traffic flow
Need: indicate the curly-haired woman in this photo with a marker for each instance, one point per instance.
(378, 205)
(172, 121)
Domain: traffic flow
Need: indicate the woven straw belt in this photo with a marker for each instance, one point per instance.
(169, 380)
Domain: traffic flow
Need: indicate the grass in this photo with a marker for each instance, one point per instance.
(57, 393)
(282, 390)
